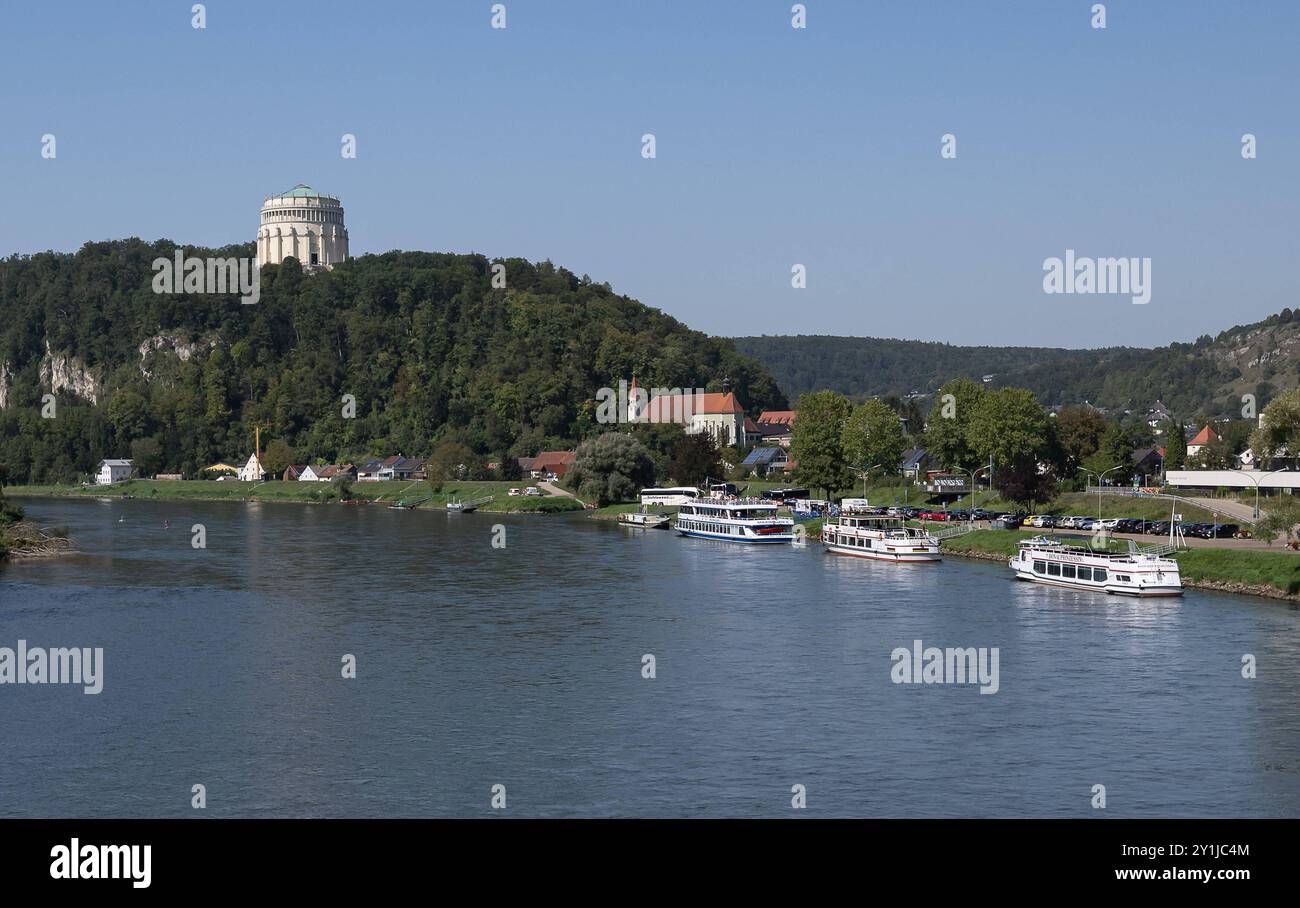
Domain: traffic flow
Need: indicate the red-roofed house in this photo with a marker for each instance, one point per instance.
(551, 464)
(1203, 438)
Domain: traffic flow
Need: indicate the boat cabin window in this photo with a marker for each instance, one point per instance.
(1067, 570)
(1053, 569)
(1040, 567)
(1099, 574)
(1085, 573)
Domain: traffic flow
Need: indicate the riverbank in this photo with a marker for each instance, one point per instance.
(380, 493)
(1273, 575)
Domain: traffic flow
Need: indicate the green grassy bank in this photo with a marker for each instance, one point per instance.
(383, 493)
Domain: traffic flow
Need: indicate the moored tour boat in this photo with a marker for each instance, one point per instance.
(1078, 567)
(881, 538)
(739, 520)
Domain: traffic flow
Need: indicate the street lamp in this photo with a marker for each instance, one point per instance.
(865, 474)
(1258, 481)
(1099, 479)
(972, 476)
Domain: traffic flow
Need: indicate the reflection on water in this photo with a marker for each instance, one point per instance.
(523, 666)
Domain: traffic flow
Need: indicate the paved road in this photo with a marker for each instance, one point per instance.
(1234, 509)
(552, 489)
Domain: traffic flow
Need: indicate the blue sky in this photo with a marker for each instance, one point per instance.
(775, 147)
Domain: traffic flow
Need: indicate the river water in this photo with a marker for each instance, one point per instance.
(522, 666)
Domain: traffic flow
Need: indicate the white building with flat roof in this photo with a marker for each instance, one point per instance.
(302, 224)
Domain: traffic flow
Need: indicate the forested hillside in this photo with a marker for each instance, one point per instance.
(421, 340)
(1206, 378)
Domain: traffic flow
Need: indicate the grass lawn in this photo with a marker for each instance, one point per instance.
(1280, 570)
(312, 492)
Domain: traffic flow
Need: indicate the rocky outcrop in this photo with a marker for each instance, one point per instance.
(173, 343)
(64, 373)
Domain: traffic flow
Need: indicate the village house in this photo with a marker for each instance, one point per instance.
(252, 471)
(768, 459)
(293, 472)
(1148, 461)
(915, 462)
(1203, 438)
(551, 464)
(776, 427)
(326, 473)
(111, 471)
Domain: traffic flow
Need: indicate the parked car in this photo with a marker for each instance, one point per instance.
(1226, 531)
(1007, 521)
(1158, 528)
(533, 490)
(513, 492)
(1130, 525)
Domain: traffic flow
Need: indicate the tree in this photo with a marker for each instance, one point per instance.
(1008, 425)
(1114, 455)
(873, 435)
(342, 487)
(146, 456)
(1024, 483)
(450, 461)
(695, 458)
(609, 468)
(1079, 430)
(1176, 445)
(947, 429)
(817, 441)
(277, 457)
(1281, 517)
(1278, 434)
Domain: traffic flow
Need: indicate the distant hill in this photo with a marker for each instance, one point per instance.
(422, 341)
(1202, 379)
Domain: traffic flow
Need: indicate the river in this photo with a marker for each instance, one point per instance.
(522, 666)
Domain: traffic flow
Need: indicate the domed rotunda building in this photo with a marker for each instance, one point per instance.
(303, 224)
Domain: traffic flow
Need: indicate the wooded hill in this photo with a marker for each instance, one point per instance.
(1198, 380)
(427, 347)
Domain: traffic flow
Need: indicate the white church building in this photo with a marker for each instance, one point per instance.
(303, 224)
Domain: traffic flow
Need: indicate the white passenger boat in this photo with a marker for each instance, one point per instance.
(740, 520)
(1079, 567)
(882, 538)
(645, 520)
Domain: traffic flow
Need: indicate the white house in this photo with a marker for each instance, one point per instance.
(111, 471)
(310, 474)
(252, 471)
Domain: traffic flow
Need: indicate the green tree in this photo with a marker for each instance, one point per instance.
(450, 460)
(817, 441)
(277, 457)
(873, 436)
(610, 468)
(695, 458)
(1278, 435)
(146, 456)
(1175, 445)
(1281, 516)
(1079, 430)
(948, 427)
(1008, 425)
(1114, 455)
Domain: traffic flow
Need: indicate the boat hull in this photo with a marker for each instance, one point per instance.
(769, 539)
(1135, 582)
(929, 555)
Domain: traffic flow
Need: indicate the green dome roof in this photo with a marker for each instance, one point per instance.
(302, 191)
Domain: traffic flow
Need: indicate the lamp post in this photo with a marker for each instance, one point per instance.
(1258, 481)
(865, 473)
(972, 475)
(1099, 479)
